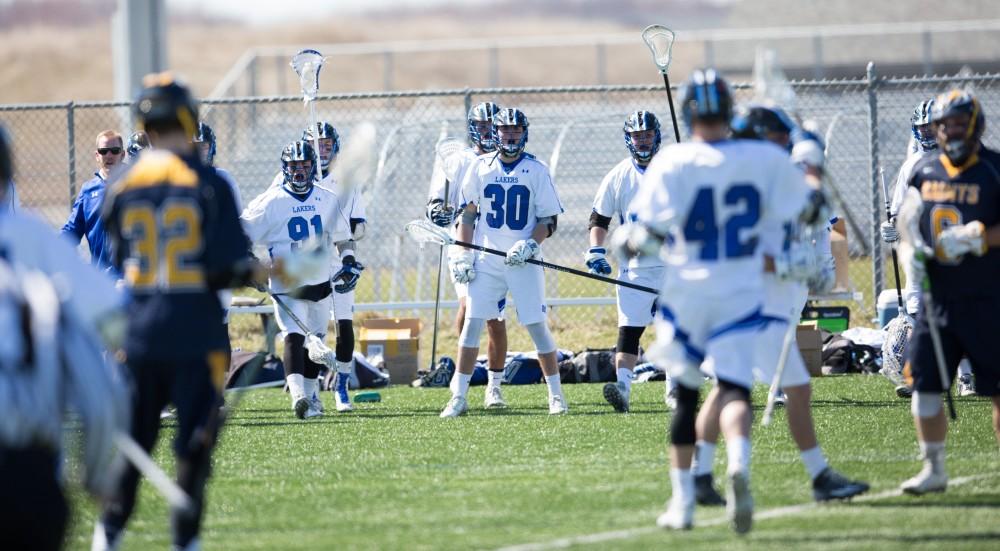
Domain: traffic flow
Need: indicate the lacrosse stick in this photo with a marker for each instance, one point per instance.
(895, 261)
(660, 41)
(899, 329)
(448, 152)
(319, 352)
(138, 457)
(915, 247)
(772, 393)
(424, 231)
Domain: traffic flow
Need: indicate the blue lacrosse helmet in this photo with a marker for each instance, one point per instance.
(755, 122)
(324, 130)
(483, 112)
(706, 97)
(639, 121)
(205, 134)
(136, 143)
(921, 119)
(510, 117)
(298, 177)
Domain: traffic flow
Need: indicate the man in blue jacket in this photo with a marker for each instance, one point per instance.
(85, 216)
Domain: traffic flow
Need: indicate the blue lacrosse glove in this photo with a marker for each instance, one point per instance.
(441, 214)
(348, 275)
(597, 262)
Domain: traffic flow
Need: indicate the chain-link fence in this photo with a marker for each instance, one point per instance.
(577, 130)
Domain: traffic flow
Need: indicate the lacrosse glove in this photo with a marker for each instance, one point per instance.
(441, 214)
(522, 251)
(957, 241)
(889, 232)
(463, 268)
(348, 275)
(597, 262)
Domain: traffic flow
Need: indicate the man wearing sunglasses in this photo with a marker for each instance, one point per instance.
(85, 216)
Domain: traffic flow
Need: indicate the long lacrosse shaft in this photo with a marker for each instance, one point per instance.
(153, 473)
(314, 121)
(670, 102)
(772, 393)
(281, 304)
(935, 331)
(437, 289)
(895, 261)
(559, 268)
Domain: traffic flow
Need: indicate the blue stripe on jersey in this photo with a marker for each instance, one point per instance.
(753, 321)
(501, 304)
(682, 337)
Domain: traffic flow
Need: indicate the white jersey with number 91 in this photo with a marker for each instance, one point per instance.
(713, 200)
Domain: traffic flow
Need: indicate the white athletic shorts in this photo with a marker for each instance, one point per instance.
(343, 306)
(720, 334)
(783, 305)
(314, 315)
(635, 308)
(488, 291)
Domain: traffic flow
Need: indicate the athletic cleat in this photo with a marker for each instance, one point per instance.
(966, 386)
(494, 398)
(779, 398)
(903, 391)
(830, 484)
(678, 516)
(102, 540)
(301, 407)
(617, 395)
(925, 482)
(557, 405)
(456, 406)
(739, 502)
(317, 404)
(705, 492)
(341, 399)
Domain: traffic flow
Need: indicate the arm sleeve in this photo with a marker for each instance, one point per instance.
(438, 178)
(605, 203)
(899, 190)
(357, 206)
(74, 225)
(470, 188)
(546, 199)
(340, 226)
(254, 219)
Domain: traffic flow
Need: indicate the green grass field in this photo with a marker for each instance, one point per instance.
(391, 475)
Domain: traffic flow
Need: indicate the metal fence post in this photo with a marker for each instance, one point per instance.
(71, 149)
(873, 158)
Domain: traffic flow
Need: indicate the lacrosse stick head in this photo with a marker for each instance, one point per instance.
(449, 156)
(424, 231)
(307, 65)
(660, 41)
(308, 261)
(319, 352)
(897, 335)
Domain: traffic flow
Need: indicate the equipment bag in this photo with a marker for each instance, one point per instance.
(254, 369)
(593, 365)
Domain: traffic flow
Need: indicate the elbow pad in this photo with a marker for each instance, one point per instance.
(358, 228)
(551, 222)
(598, 221)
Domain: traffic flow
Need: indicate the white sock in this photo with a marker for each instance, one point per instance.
(738, 451)
(296, 385)
(344, 367)
(933, 454)
(814, 461)
(554, 384)
(625, 376)
(682, 485)
(495, 378)
(704, 457)
(311, 387)
(460, 384)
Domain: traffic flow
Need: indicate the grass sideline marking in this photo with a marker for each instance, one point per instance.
(777, 512)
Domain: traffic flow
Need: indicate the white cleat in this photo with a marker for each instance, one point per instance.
(678, 516)
(315, 408)
(617, 395)
(925, 482)
(317, 404)
(100, 541)
(341, 399)
(456, 406)
(557, 405)
(966, 386)
(494, 398)
(739, 502)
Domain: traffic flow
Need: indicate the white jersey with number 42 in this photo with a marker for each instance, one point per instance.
(712, 200)
(510, 198)
(283, 221)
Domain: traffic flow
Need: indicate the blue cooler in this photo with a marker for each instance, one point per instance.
(888, 307)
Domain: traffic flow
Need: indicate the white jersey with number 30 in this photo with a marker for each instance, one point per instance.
(712, 200)
(510, 198)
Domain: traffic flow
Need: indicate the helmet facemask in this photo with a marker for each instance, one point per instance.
(509, 141)
(299, 175)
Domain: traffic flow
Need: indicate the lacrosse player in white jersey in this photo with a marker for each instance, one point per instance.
(802, 263)
(442, 211)
(284, 219)
(511, 196)
(635, 308)
(709, 200)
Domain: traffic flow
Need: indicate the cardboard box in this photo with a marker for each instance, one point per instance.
(398, 341)
(811, 346)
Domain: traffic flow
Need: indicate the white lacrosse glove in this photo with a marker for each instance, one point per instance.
(824, 278)
(798, 263)
(957, 241)
(463, 268)
(889, 232)
(522, 251)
